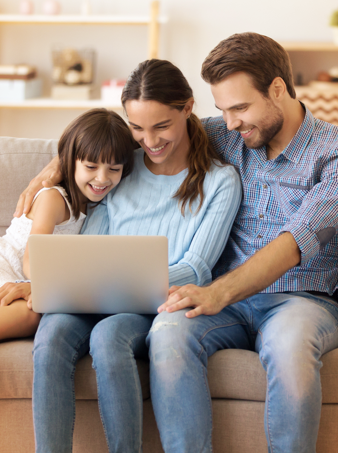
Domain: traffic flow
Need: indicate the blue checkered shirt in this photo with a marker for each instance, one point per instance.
(296, 192)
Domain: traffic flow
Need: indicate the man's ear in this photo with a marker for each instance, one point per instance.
(277, 89)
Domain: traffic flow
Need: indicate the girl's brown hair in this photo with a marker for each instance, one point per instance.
(97, 135)
(161, 81)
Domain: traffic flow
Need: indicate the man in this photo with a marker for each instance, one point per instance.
(277, 274)
(279, 266)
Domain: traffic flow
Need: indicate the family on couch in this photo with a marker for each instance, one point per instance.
(274, 284)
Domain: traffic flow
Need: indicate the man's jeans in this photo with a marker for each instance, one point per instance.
(290, 332)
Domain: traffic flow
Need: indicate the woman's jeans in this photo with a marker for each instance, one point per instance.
(289, 331)
(113, 342)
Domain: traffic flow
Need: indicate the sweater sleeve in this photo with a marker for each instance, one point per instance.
(213, 232)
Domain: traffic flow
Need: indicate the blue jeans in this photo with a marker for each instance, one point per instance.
(289, 331)
(114, 342)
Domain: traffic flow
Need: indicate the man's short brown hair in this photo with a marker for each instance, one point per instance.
(258, 56)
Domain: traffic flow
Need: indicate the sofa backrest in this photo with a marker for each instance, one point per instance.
(21, 159)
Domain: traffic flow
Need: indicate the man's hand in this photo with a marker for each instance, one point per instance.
(10, 292)
(256, 274)
(204, 300)
(48, 177)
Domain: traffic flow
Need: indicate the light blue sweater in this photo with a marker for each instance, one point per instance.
(143, 204)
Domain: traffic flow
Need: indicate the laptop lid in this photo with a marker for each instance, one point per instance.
(98, 274)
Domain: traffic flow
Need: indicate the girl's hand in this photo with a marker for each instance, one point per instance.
(48, 177)
(10, 292)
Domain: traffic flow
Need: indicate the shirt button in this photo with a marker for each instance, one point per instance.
(259, 236)
(260, 216)
(265, 186)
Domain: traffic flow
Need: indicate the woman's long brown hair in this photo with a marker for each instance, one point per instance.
(161, 81)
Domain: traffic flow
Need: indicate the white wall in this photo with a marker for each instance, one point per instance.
(194, 27)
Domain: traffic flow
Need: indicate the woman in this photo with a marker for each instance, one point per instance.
(180, 189)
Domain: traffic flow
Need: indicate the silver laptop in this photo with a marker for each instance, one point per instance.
(98, 274)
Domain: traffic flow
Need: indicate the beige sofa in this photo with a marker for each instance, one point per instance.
(236, 378)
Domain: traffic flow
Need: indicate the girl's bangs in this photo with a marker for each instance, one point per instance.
(104, 147)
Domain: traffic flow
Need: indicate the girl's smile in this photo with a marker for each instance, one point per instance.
(95, 180)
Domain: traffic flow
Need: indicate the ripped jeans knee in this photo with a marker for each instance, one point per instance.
(173, 338)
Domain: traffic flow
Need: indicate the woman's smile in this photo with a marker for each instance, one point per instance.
(162, 132)
(158, 150)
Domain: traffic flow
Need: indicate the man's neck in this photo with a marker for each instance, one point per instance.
(293, 117)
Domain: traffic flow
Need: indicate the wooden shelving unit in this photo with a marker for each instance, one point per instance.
(73, 19)
(320, 97)
(48, 103)
(152, 22)
(309, 46)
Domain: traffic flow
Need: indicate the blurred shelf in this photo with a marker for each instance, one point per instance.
(323, 89)
(309, 46)
(152, 22)
(77, 19)
(48, 103)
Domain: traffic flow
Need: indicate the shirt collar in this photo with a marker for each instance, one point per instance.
(299, 142)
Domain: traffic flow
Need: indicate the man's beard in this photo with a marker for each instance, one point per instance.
(268, 129)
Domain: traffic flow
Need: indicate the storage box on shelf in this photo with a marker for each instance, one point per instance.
(19, 82)
(152, 22)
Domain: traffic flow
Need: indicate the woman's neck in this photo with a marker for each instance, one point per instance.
(168, 170)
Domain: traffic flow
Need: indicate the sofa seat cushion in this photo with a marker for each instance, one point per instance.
(16, 372)
(232, 374)
(238, 374)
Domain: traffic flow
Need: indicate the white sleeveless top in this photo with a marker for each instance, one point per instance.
(13, 244)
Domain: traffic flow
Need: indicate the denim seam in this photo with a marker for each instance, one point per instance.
(219, 327)
(324, 303)
(206, 386)
(326, 336)
(252, 330)
(136, 336)
(74, 360)
(267, 396)
(136, 380)
(99, 399)
(102, 420)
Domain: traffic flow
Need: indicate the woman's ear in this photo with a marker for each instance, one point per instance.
(188, 107)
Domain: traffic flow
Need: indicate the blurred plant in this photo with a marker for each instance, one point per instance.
(334, 19)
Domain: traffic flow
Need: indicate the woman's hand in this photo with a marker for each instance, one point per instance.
(48, 177)
(10, 292)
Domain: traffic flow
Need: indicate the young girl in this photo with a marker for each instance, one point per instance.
(95, 152)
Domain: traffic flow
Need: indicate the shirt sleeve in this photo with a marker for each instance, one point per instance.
(213, 232)
(316, 221)
(97, 220)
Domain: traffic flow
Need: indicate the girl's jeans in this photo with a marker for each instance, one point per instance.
(289, 331)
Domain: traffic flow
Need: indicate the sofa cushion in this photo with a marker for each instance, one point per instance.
(233, 374)
(20, 160)
(16, 372)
